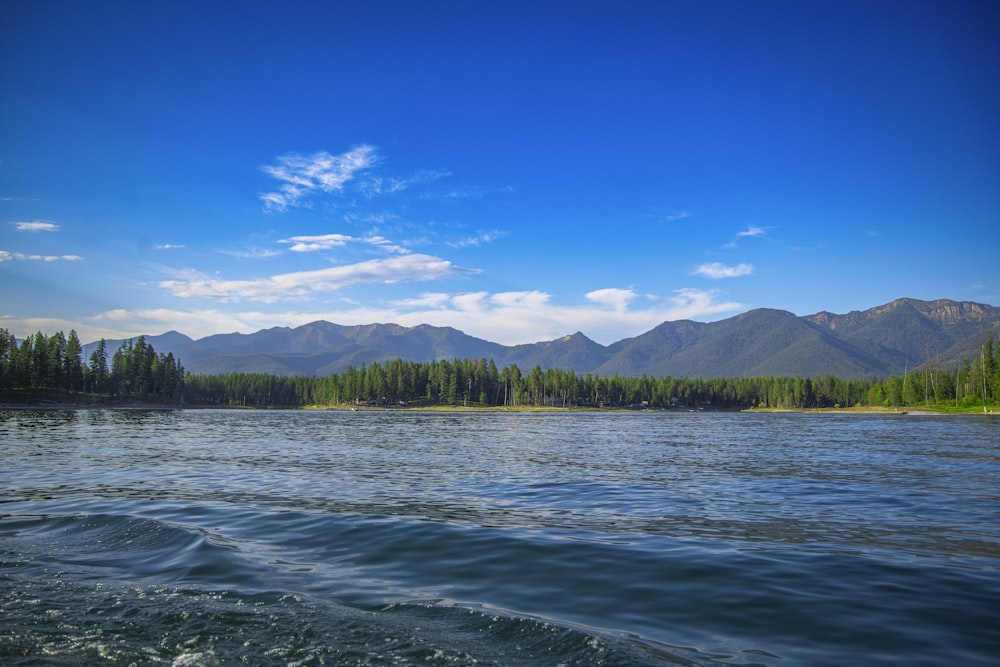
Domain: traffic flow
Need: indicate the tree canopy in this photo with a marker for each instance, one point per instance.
(136, 370)
(54, 363)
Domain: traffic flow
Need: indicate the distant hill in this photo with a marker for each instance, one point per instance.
(878, 342)
(759, 342)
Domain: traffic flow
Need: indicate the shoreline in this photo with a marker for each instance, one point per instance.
(873, 410)
(133, 405)
(44, 400)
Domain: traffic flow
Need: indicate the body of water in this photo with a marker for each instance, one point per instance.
(196, 537)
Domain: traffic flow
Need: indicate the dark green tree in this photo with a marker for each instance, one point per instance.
(98, 369)
(73, 362)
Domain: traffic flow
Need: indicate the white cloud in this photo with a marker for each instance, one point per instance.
(169, 246)
(402, 268)
(21, 327)
(330, 241)
(427, 300)
(612, 296)
(680, 215)
(385, 244)
(716, 270)
(36, 226)
(121, 323)
(6, 256)
(302, 175)
(313, 243)
(530, 316)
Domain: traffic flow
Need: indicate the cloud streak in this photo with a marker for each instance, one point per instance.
(331, 241)
(251, 252)
(302, 284)
(481, 238)
(752, 231)
(36, 226)
(718, 270)
(314, 243)
(302, 175)
(383, 185)
(6, 256)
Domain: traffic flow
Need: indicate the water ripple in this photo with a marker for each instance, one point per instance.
(192, 537)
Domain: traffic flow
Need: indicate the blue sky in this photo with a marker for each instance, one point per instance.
(516, 170)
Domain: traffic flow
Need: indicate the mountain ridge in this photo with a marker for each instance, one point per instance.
(876, 342)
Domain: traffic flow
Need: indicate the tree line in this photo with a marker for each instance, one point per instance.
(136, 370)
(480, 383)
(55, 364)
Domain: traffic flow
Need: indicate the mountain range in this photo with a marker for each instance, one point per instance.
(878, 342)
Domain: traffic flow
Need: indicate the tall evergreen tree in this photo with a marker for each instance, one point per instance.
(8, 353)
(99, 367)
(72, 362)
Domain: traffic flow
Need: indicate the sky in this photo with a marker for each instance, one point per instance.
(519, 171)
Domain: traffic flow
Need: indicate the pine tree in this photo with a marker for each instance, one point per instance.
(98, 372)
(8, 354)
(72, 363)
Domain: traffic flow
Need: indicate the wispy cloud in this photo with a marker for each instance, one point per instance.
(752, 231)
(464, 193)
(252, 252)
(479, 239)
(385, 244)
(169, 246)
(301, 284)
(6, 256)
(301, 175)
(367, 218)
(36, 226)
(387, 185)
(716, 270)
(680, 215)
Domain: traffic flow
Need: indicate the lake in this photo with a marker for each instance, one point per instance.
(193, 537)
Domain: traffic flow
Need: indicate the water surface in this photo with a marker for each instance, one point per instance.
(384, 538)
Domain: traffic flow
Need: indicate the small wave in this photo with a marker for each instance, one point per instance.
(88, 622)
(127, 549)
(294, 587)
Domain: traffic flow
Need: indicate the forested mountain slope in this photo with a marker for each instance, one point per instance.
(878, 342)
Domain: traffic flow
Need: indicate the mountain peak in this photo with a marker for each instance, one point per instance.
(872, 343)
